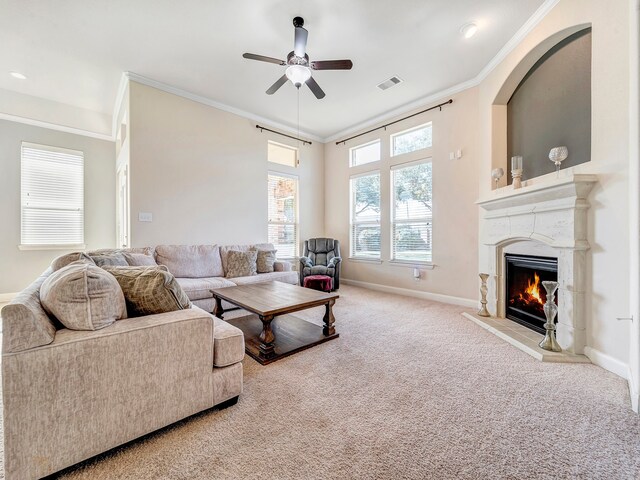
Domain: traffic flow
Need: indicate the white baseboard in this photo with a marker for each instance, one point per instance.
(607, 362)
(438, 297)
(7, 297)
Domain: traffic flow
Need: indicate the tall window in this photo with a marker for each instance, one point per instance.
(365, 216)
(52, 196)
(367, 153)
(412, 214)
(415, 138)
(283, 214)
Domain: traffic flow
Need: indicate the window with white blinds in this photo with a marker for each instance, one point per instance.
(283, 214)
(365, 216)
(52, 196)
(412, 214)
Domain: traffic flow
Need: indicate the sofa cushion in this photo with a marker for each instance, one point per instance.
(241, 264)
(225, 249)
(265, 261)
(191, 261)
(139, 259)
(64, 260)
(286, 277)
(109, 259)
(83, 296)
(200, 288)
(149, 290)
(228, 344)
(25, 324)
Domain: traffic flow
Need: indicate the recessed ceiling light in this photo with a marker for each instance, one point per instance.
(469, 30)
(18, 75)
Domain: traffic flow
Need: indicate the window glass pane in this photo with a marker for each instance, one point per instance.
(52, 196)
(367, 153)
(411, 235)
(365, 216)
(284, 239)
(282, 154)
(411, 140)
(283, 214)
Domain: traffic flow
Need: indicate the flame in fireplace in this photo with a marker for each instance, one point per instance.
(533, 289)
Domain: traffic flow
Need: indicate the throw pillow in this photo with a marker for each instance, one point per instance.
(241, 264)
(265, 261)
(149, 290)
(139, 259)
(109, 259)
(64, 260)
(191, 261)
(83, 296)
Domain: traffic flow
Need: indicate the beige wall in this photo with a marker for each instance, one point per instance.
(202, 173)
(455, 189)
(19, 268)
(608, 218)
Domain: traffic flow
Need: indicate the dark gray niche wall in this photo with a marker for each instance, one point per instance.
(552, 107)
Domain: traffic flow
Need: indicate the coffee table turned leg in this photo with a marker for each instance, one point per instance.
(267, 349)
(329, 319)
(217, 308)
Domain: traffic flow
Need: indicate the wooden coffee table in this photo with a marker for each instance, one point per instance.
(271, 332)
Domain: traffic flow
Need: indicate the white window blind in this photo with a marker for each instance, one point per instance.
(415, 138)
(283, 214)
(365, 216)
(367, 153)
(52, 196)
(412, 216)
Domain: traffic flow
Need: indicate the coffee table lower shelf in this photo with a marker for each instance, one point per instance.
(292, 334)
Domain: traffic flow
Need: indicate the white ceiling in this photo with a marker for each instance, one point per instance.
(74, 51)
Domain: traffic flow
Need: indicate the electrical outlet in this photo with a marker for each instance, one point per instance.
(145, 217)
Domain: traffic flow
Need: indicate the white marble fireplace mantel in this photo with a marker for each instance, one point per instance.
(548, 218)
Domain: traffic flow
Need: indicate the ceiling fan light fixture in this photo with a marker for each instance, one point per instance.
(298, 74)
(469, 30)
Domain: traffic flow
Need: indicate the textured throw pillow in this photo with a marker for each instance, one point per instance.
(64, 260)
(149, 290)
(191, 261)
(265, 261)
(109, 259)
(241, 264)
(83, 297)
(139, 259)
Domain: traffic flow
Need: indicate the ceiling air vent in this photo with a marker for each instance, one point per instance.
(389, 83)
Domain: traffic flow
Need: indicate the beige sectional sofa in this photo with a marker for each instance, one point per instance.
(69, 395)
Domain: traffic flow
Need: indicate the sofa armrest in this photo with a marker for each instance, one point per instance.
(124, 381)
(282, 266)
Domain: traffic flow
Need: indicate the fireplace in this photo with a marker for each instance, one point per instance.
(525, 295)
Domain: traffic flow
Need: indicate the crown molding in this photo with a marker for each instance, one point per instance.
(54, 126)
(513, 42)
(220, 106)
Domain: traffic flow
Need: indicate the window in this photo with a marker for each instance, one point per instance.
(283, 214)
(411, 215)
(411, 140)
(365, 216)
(367, 153)
(282, 154)
(52, 196)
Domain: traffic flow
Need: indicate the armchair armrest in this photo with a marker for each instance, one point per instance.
(334, 262)
(306, 262)
(282, 266)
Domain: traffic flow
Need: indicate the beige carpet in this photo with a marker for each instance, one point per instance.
(410, 390)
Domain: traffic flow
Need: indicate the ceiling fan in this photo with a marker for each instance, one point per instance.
(299, 68)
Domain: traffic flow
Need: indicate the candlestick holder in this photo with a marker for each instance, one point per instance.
(550, 311)
(483, 312)
(517, 178)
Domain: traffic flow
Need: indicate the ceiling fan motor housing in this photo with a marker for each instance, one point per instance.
(298, 22)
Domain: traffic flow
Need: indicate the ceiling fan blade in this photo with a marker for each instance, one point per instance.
(300, 42)
(274, 88)
(262, 58)
(315, 88)
(332, 65)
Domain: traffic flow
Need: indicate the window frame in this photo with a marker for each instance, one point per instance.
(393, 136)
(352, 222)
(392, 220)
(296, 224)
(352, 150)
(285, 146)
(51, 246)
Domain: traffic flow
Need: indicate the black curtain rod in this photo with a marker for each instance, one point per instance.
(283, 134)
(392, 123)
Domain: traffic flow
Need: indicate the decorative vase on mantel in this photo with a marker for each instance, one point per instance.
(549, 341)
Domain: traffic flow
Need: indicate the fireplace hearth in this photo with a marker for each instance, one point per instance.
(525, 295)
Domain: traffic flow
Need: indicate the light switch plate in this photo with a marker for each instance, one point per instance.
(145, 217)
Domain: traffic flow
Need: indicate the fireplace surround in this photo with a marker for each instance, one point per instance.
(546, 219)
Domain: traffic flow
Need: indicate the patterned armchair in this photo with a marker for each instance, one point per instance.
(321, 257)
